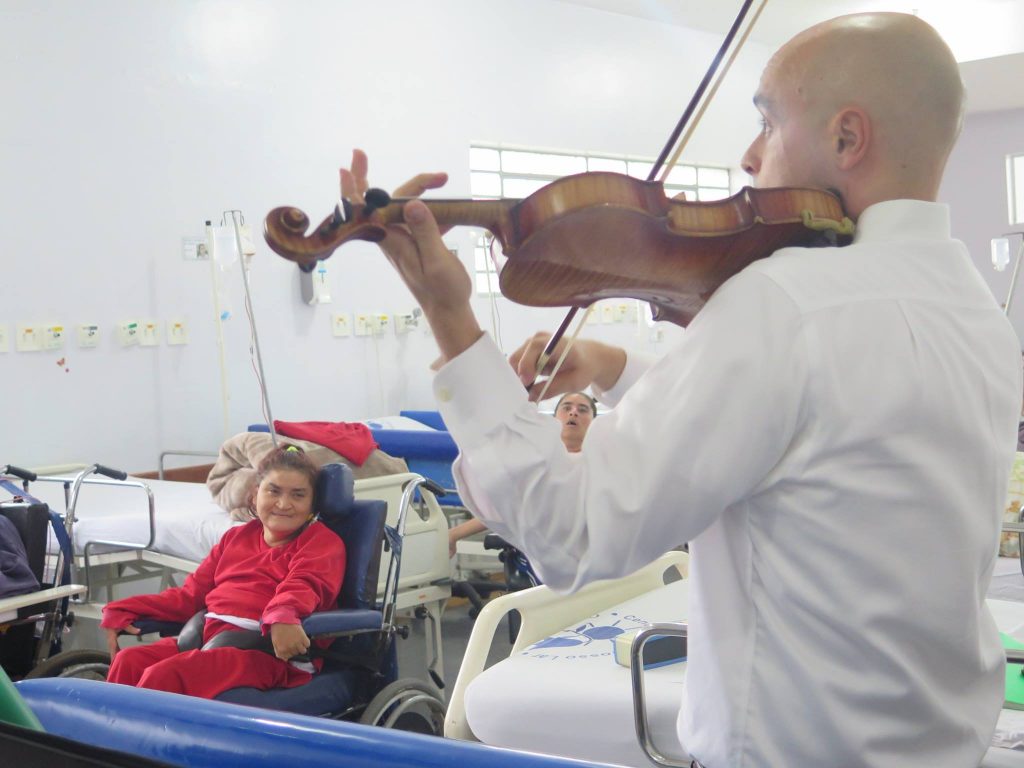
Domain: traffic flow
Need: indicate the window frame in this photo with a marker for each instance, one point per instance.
(485, 282)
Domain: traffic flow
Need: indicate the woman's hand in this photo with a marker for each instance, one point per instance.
(435, 276)
(289, 640)
(112, 635)
(588, 362)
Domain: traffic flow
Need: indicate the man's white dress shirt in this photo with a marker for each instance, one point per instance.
(833, 436)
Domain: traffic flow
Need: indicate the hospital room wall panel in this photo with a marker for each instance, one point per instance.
(975, 188)
(130, 124)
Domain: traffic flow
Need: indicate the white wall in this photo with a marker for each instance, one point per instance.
(128, 124)
(975, 188)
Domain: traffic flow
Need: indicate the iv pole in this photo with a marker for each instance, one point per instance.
(1016, 270)
(235, 214)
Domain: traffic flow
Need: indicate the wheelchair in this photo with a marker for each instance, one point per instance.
(34, 623)
(359, 679)
(518, 575)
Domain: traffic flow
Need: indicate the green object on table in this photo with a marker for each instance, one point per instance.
(13, 708)
(1014, 676)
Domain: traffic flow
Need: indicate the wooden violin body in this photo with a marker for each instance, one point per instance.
(600, 235)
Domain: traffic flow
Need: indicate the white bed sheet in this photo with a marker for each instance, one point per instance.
(567, 696)
(188, 521)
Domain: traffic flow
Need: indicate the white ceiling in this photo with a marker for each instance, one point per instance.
(987, 36)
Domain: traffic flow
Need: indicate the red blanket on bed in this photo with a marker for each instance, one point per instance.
(352, 440)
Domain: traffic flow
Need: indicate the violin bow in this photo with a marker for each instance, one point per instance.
(549, 348)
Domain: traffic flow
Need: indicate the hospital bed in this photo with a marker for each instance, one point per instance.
(129, 530)
(564, 648)
(423, 440)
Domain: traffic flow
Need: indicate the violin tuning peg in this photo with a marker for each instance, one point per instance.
(375, 198)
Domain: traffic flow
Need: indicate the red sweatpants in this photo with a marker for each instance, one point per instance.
(201, 673)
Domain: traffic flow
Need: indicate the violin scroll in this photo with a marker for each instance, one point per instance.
(284, 229)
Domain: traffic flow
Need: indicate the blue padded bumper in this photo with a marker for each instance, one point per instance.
(196, 733)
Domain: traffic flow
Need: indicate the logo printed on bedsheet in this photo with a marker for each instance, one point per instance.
(586, 636)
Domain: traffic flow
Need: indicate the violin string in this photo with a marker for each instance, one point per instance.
(565, 352)
(711, 94)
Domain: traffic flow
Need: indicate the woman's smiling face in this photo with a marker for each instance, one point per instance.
(284, 503)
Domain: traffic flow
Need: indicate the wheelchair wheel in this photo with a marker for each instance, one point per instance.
(407, 705)
(84, 664)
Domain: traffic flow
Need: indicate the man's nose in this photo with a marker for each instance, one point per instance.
(751, 160)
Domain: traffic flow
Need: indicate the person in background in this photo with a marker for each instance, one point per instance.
(267, 575)
(576, 411)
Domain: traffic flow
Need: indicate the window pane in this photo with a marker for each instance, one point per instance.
(639, 170)
(684, 175)
(1017, 189)
(713, 177)
(523, 187)
(671, 192)
(606, 164)
(542, 163)
(705, 193)
(481, 259)
(485, 184)
(483, 159)
(484, 283)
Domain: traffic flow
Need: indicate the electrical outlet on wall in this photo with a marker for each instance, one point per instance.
(406, 321)
(28, 337)
(53, 336)
(4, 343)
(177, 332)
(128, 333)
(149, 333)
(88, 335)
(340, 324)
(364, 325)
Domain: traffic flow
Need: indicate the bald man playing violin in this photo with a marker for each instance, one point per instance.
(833, 435)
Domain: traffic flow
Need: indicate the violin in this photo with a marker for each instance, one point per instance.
(595, 236)
(603, 235)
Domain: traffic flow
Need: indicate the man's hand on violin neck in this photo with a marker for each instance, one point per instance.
(435, 276)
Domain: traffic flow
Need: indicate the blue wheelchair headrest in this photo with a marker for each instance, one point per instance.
(334, 492)
(360, 524)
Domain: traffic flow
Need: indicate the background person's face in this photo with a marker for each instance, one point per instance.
(575, 412)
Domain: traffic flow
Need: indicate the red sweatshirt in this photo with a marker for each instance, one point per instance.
(244, 577)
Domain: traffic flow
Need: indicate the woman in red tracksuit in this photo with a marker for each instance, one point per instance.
(267, 575)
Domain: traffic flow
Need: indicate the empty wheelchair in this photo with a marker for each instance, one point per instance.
(32, 623)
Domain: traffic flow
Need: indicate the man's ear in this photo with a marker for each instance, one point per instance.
(851, 137)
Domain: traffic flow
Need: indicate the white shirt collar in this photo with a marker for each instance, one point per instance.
(903, 220)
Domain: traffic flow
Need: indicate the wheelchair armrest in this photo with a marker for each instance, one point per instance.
(189, 633)
(164, 628)
(342, 621)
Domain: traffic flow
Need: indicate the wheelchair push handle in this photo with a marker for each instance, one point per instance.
(433, 487)
(24, 474)
(113, 474)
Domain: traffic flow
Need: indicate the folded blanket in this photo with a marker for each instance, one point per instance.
(234, 473)
(351, 439)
